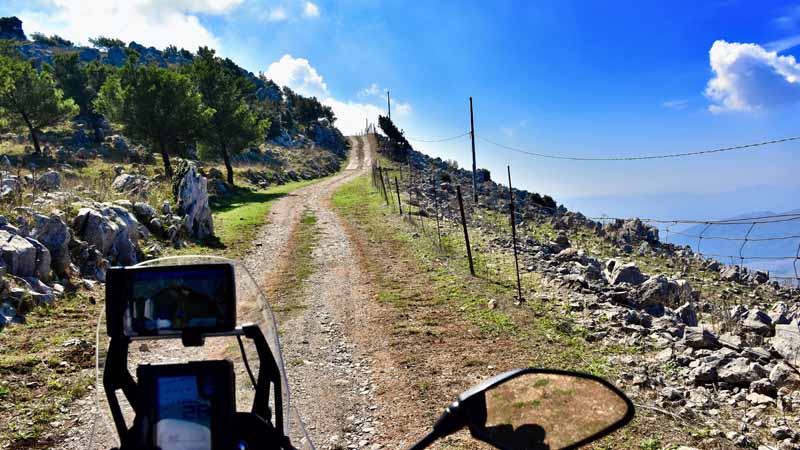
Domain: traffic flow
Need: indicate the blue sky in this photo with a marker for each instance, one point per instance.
(577, 78)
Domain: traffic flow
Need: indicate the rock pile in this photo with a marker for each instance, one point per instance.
(41, 252)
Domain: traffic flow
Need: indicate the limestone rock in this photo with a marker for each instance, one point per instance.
(112, 229)
(787, 342)
(49, 181)
(741, 372)
(24, 257)
(625, 273)
(191, 192)
(697, 337)
(661, 291)
(54, 234)
(126, 182)
(758, 322)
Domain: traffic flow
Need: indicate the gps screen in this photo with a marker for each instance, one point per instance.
(184, 414)
(165, 302)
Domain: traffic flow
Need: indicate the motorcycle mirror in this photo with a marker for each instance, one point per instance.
(543, 409)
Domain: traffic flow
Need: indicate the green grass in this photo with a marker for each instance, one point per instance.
(288, 290)
(238, 219)
(540, 324)
(650, 444)
(359, 202)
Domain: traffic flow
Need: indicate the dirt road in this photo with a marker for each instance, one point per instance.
(330, 379)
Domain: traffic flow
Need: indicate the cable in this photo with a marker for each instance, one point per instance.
(638, 158)
(764, 258)
(441, 139)
(776, 218)
(246, 363)
(722, 238)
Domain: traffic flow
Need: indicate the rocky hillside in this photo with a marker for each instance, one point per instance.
(94, 198)
(289, 126)
(716, 346)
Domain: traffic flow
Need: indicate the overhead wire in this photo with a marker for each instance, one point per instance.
(641, 157)
(450, 138)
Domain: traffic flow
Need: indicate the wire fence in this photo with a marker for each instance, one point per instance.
(745, 246)
(442, 210)
(434, 206)
(672, 227)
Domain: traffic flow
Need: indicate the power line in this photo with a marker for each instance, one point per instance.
(440, 139)
(638, 158)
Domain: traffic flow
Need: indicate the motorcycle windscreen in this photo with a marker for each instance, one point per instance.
(252, 307)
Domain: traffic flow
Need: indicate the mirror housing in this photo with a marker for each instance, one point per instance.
(474, 410)
(544, 409)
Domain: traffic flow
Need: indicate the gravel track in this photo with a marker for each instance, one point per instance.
(330, 379)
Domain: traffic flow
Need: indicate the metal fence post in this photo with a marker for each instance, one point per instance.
(397, 188)
(383, 185)
(514, 233)
(466, 233)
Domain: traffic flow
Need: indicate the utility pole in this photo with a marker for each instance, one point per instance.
(474, 168)
(389, 105)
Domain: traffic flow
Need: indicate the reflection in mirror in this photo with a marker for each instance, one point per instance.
(549, 411)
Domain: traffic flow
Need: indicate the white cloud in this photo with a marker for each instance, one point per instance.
(402, 109)
(783, 44)
(298, 74)
(277, 14)
(310, 10)
(303, 78)
(351, 116)
(749, 78)
(675, 104)
(790, 19)
(373, 90)
(148, 22)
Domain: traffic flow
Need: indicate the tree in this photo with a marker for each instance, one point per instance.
(82, 83)
(51, 41)
(106, 43)
(234, 124)
(30, 99)
(399, 145)
(158, 106)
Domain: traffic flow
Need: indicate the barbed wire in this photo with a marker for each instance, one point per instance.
(638, 158)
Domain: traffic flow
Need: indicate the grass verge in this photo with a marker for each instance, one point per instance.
(410, 271)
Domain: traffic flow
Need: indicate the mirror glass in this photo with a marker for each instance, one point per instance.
(548, 411)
